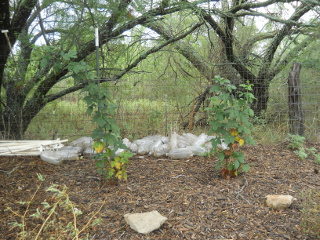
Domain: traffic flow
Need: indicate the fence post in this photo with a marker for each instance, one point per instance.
(296, 117)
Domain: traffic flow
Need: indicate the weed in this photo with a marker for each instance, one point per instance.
(297, 143)
(57, 219)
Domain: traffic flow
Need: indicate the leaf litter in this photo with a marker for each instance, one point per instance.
(198, 203)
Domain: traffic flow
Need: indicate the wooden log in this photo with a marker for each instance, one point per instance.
(296, 117)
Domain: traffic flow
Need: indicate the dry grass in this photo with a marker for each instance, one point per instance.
(310, 216)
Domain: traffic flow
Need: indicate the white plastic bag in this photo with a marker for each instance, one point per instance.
(145, 144)
(198, 151)
(89, 152)
(57, 157)
(83, 142)
(127, 142)
(160, 147)
(223, 145)
(201, 140)
(180, 153)
(174, 140)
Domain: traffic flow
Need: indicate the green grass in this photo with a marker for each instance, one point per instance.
(141, 117)
(60, 119)
(147, 109)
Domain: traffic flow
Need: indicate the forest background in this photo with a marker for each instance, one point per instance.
(157, 59)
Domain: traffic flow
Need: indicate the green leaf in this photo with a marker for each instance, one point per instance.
(99, 120)
(100, 164)
(231, 167)
(236, 164)
(221, 156)
(89, 110)
(43, 63)
(218, 166)
(245, 168)
(215, 88)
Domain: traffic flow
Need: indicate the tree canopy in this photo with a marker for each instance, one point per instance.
(47, 42)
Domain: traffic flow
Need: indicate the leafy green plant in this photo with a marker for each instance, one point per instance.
(297, 143)
(47, 217)
(317, 159)
(230, 115)
(106, 134)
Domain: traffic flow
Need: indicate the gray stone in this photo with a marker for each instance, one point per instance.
(145, 222)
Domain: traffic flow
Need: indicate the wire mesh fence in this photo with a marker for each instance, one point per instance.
(162, 107)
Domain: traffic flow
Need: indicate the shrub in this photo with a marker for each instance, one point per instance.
(230, 115)
(297, 144)
(106, 135)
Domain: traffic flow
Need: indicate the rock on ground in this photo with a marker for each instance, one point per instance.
(145, 222)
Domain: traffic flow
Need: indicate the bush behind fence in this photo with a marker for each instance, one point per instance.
(146, 108)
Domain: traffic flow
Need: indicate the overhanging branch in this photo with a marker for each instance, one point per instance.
(156, 49)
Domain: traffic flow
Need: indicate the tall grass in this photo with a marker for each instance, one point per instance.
(60, 119)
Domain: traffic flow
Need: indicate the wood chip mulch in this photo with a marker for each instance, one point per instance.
(198, 203)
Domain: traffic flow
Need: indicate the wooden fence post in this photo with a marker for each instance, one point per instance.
(296, 117)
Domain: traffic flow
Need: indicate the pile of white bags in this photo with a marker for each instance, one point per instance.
(175, 147)
(76, 149)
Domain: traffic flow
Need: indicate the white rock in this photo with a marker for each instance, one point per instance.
(145, 222)
(279, 202)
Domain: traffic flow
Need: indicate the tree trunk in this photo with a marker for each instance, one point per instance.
(11, 124)
(4, 47)
(296, 117)
(12, 117)
(261, 93)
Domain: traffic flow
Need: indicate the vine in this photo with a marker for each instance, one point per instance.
(106, 135)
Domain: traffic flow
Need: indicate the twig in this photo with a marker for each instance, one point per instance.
(46, 220)
(166, 159)
(179, 176)
(87, 224)
(246, 184)
(241, 190)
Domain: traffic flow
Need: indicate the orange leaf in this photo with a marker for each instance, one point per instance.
(228, 152)
(235, 146)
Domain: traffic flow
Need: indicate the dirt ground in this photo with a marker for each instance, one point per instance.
(198, 203)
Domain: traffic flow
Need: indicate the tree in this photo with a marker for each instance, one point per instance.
(260, 55)
(50, 41)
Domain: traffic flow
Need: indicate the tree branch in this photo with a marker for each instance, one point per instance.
(44, 87)
(156, 49)
(184, 50)
(299, 12)
(20, 18)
